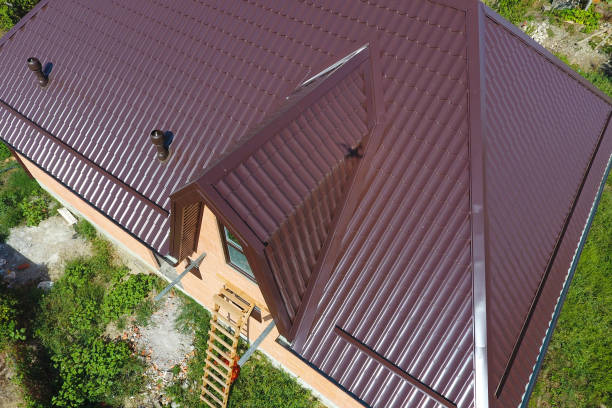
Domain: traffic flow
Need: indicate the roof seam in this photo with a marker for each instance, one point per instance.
(478, 219)
(81, 156)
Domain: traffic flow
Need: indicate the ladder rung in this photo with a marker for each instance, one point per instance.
(234, 325)
(210, 364)
(227, 305)
(210, 394)
(236, 298)
(222, 329)
(218, 360)
(226, 354)
(215, 387)
(209, 403)
(214, 376)
(212, 335)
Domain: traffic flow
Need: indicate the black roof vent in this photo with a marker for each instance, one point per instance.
(36, 67)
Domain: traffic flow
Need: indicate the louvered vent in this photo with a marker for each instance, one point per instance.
(190, 228)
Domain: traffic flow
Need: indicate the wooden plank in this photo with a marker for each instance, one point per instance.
(215, 387)
(222, 329)
(226, 354)
(220, 380)
(228, 306)
(213, 396)
(220, 340)
(239, 298)
(218, 360)
(228, 322)
(209, 403)
(67, 216)
(210, 364)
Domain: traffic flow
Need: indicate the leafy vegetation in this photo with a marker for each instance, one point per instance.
(589, 19)
(11, 12)
(260, 384)
(21, 199)
(514, 11)
(9, 326)
(66, 360)
(5, 153)
(85, 229)
(576, 370)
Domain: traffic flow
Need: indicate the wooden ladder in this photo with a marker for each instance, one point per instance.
(221, 355)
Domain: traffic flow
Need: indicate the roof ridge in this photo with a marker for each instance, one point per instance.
(294, 104)
(478, 220)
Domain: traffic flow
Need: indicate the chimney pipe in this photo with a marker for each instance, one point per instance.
(159, 140)
(36, 67)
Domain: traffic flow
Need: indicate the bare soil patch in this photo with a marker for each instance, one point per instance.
(10, 395)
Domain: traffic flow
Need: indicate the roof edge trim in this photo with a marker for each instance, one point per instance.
(550, 57)
(305, 318)
(24, 20)
(476, 105)
(394, 368)
(568, 280)
(86, 201)
(544, 279)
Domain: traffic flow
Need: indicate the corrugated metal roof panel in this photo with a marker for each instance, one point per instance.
(401, 266)
(542, 128)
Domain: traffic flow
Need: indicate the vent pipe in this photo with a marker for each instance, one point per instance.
(36, 67)
(158, 138)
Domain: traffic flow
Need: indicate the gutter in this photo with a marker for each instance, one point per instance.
(546, 341)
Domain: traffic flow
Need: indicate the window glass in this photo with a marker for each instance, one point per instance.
(235, 254)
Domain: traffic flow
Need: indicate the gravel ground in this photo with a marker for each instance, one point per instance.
(164, 347)
(40, 253)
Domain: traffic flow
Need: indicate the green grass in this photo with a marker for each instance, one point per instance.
(260, 383)
(577, 367)
(22, 200)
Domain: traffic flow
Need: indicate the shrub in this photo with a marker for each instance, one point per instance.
(590, 19)
(514, 11)
(125, 296)
(261, 385)
(9, 327)
(20, 8)
(85, 229)
(34, 211)
(70, 312)
(95, 372)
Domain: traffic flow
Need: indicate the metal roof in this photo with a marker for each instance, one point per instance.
(423, 273)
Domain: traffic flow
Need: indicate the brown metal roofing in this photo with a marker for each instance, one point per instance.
(424, 273)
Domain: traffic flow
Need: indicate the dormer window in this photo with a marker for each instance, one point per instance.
(234, 254)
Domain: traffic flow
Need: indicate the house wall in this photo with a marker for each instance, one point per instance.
(102, 223)
(215, 273)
